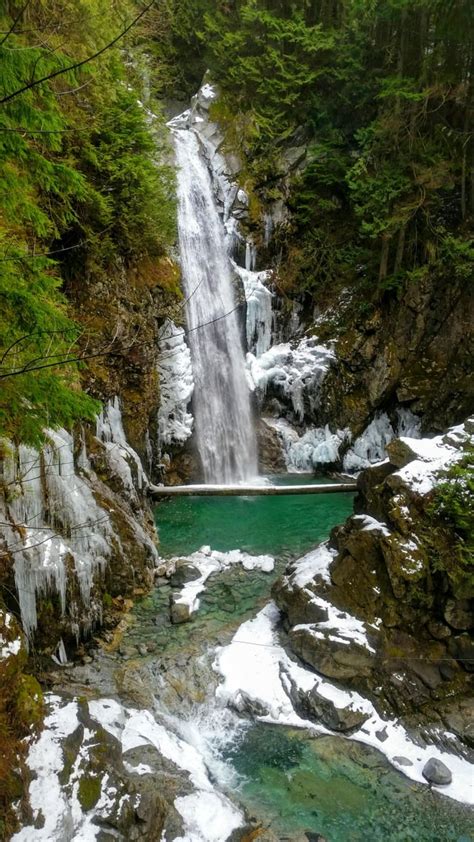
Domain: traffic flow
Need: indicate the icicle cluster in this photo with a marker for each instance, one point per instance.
(54, 520)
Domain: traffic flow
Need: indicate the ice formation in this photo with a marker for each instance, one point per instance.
(370, 447)
(54, 517)
(123, 460)
(175, 422)
(320, 446)
(259, 309)
(295, 373)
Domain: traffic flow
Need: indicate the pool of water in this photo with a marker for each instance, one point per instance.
(339, 789)
(281, 526)
(291, 781)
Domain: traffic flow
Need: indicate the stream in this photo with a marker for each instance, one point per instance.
(289, 780)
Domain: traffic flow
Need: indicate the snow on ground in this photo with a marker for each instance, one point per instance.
(208, 815)
(254, 666)
(212, 561)
(433, 456)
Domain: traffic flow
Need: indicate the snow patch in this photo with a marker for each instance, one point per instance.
(209, 562)
(432, 457)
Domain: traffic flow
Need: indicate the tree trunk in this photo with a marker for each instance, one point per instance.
(383, 271)
(400, 250)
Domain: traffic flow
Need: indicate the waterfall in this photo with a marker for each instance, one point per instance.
(224, 428)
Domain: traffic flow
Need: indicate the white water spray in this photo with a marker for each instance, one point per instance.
(224, 427)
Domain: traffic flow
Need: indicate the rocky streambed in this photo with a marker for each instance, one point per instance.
(219, 728)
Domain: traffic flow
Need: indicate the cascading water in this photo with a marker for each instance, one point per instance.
(224, 429)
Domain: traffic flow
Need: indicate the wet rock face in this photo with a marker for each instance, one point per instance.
(410, 351)
(270, 452)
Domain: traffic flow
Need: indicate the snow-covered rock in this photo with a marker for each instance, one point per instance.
(209, 562)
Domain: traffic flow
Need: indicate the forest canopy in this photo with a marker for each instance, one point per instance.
(82, 191)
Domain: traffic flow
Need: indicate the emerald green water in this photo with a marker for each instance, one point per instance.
(342, 790)
(290, 781)
(281, 526)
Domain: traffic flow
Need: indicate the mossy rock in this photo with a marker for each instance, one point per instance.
(89, 792)
(29, 702)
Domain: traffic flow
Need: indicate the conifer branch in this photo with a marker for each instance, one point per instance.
(19, 15)
(77, 64)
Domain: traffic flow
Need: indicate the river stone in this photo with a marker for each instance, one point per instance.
(436, 772)
(402, 761)
(180, 612)
(185, 572)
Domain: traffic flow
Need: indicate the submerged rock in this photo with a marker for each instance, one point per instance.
(180, 612)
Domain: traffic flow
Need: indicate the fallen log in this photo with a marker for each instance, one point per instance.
(160, 491)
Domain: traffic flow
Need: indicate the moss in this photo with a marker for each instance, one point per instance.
(107, 600)
(89, 792)
(29, 702)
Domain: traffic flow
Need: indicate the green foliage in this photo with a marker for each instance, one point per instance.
(84, 190)
(454, 505)
(381, 93)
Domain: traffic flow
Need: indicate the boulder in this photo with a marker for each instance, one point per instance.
(400, 453)
(180, 612)
(184, 572)
(297, 603)
(459, 614)
(313, 705)
(331, 658)
(436, 772)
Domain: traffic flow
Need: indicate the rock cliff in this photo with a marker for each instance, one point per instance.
(392, 618)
